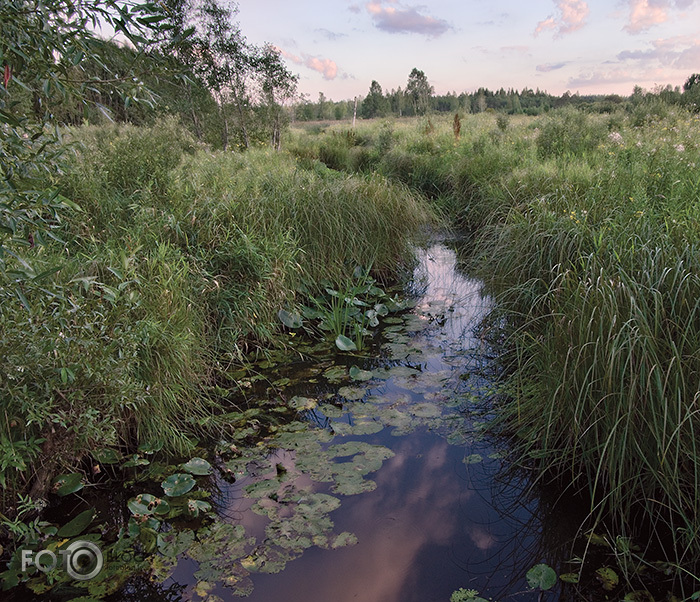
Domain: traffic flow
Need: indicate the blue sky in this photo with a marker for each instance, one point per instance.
(589, 46)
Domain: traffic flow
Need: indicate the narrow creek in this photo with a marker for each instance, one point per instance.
(378, 483)
(386, 486)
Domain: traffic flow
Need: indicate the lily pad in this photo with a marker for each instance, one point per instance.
(78, 524)
(178, 484)
(344, 343)
(146, 504)
(290, 319)
(66, 484)
(197, 466)
(343, 540)
(194, 507)
(608, 578)
(473, 459)
(351, 393)
(358, 374)
(541, 576)
(426, 410)
(335, 374)
(302, 403)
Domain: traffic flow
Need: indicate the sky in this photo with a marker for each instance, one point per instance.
(338, 47)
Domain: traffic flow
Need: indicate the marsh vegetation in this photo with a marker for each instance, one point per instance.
(189, 299)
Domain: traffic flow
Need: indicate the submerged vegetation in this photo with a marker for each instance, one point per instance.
(140, 267)
(586, 230)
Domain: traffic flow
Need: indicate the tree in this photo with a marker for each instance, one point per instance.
(45, 46)
(374, 104)
(246, 81)
(396, 100)
(225, 63)
(691, 92)
(277, 85)
(692, 82)
(419, 91)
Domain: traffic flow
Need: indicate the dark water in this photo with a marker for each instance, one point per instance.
(447, 512)
(383, 488)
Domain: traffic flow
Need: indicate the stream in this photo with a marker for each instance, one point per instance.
(379, 483)
(391, 491)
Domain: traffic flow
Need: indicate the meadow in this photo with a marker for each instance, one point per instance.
(171, 268)
(173, 261)
(586, 229)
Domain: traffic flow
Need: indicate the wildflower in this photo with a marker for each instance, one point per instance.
(615, 137)
(679, 147)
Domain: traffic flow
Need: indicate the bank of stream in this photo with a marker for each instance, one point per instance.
(379, 481)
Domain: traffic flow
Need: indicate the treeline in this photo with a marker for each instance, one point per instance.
(418, 98)
(197, 66)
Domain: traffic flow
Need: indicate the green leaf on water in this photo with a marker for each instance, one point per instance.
(146, 504)
(302, 403)
(66, 484)
(358, 374)
(608, 578)
(473, 459)
(343, 540)
(345, 344)
(194, 507)
(290, 319)
(197, 466)
(335, 374)
(541, 576)
(351, 393)
(78, 524)
(178, 484)
(569, 577)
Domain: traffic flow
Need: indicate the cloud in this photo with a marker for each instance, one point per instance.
(644, 14)
(515, 49)
(572, 16)
(547, 67)
(599, 79)
(327, 67)
(331, 35)
(680, 52)
(390, 16)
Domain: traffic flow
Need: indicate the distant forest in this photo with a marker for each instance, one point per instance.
(418, 98)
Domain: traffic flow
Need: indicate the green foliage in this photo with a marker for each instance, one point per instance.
(348, 311)
(466, 595)
(569, 133)
(178, 261)
(541, 576)
(588, 234)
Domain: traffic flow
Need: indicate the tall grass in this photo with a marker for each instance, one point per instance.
(175, 266)
(588, 231)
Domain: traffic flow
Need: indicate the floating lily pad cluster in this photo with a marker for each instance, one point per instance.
(179, 499)
(344, 312)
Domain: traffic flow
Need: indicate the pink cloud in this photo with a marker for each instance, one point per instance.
(391, 17)
(644, 14)
(572, 16)
(327, 67)
(679, 52)
(288, 55)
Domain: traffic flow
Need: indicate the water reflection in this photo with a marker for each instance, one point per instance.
(446, 512)
(434, 523)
